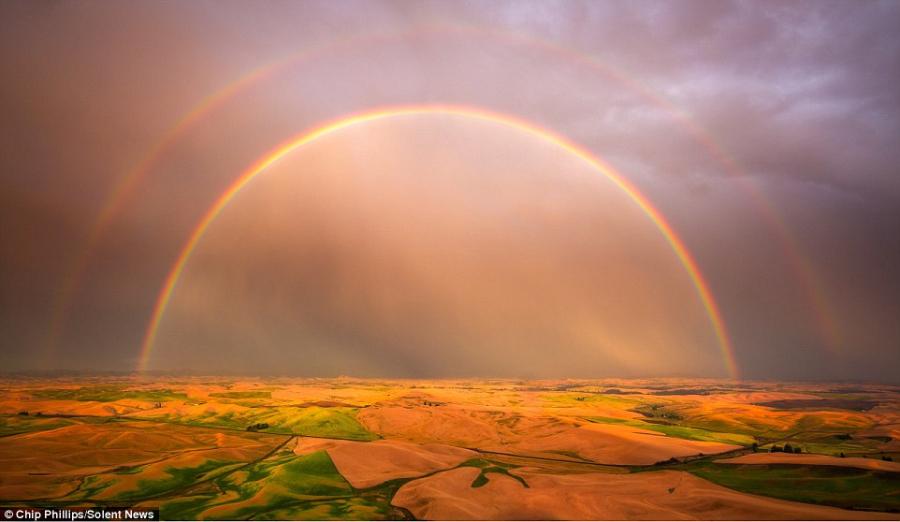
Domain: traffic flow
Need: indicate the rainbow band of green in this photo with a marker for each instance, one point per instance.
(678, 247)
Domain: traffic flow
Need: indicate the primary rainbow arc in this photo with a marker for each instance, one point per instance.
(677, 245)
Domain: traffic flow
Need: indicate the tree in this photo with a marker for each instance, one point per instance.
(788, 448)
(797, 450)
(776, 449)
(842, 455)
(755, 447)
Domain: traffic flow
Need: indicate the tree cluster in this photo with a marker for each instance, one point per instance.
(258, 426)
(786, 449)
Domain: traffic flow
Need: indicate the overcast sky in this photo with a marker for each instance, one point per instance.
(766, 133)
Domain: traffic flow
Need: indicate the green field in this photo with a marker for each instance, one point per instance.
(242, 395)
(15, 424)
(109, 394)
(490, 466)
(569, 399)
(312, 421)
(176, 479)
(681, 432)
(848, 488)
(285, 485)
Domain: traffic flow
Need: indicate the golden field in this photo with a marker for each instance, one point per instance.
(235, 448)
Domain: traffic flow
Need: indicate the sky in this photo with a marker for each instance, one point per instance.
(765, 134)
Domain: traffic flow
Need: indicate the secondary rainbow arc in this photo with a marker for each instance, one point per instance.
(674, 241)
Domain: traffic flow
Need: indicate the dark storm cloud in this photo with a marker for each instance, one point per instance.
(802, 95)
(794, 90)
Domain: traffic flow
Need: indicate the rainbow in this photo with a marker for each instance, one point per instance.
(118, 199)
(126, 186)
(678, 247)
(798, 263)
(125, 189)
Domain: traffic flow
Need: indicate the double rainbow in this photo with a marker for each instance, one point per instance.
(127, 185)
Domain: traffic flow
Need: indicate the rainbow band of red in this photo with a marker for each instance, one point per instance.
(678, 247)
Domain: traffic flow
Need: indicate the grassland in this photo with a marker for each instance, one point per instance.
(487, 466)
(682, 432)
(847, 488)
(109, 394)
(310, 421)
(184, 445)
(283, 482)
(17, 424)
(242, 395)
